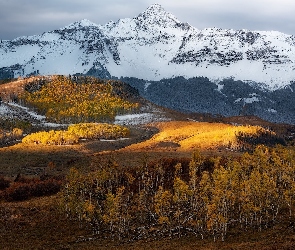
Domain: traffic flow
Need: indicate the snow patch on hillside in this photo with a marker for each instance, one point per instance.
(139, 119)
(14, 110)
(4, 110)
(272, 110)
(28, 111)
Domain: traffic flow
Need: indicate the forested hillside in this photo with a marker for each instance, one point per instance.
(227, 97)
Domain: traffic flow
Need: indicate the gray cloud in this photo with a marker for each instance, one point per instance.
(21, 17)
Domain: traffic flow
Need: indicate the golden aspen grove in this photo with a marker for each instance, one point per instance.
(204, 197)
(87, 99)
(76, 132)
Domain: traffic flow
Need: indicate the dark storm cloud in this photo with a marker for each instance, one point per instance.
(22, 17)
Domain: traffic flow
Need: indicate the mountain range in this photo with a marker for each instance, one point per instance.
(216, 71)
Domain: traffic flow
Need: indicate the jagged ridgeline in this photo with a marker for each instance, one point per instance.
(76, 99)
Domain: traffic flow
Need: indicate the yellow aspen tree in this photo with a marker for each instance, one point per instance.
(113, 215)
(205, 192)
(257, 196)
(194, 198)
(288, 178)
(181, 197)
(162, 206)
(235, 179)
(73, 197)
(221, 202)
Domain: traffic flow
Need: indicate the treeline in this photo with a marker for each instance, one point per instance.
(76, 132)
(73, 99)
(203, 196)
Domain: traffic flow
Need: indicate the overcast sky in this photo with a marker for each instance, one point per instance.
(30, 17)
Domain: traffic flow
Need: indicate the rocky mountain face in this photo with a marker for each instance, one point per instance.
(227, 72)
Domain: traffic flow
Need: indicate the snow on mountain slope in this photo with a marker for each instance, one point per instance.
(152, 46)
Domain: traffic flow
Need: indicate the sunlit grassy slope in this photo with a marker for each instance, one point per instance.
(189, 135)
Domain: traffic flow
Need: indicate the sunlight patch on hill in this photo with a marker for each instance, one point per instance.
(186, 135)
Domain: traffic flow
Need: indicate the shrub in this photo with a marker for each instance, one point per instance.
(24, 188)
(18, 192)
(4, 183)
(47, 187)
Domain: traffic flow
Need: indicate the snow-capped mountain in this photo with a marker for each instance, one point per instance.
(233, 71)
(152, 46)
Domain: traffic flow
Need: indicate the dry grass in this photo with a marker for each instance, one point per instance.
(187, 136)
(34, 160)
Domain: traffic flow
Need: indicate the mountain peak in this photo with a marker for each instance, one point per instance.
(155, 8)
(81, 23)
(158, 15)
